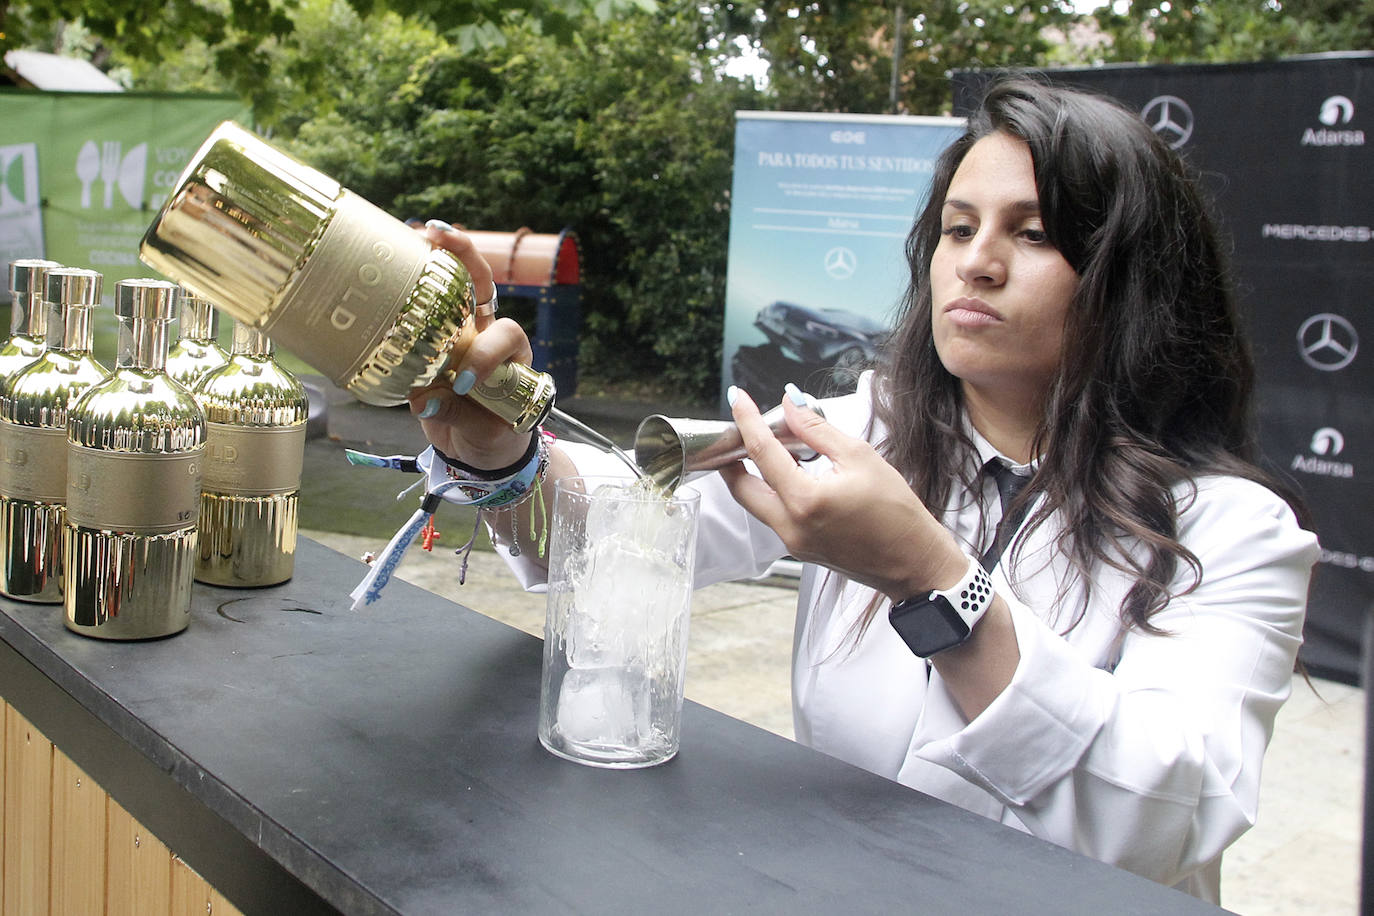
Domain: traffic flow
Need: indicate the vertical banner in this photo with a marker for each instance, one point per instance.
(83, 173)
(820, 210)
(1284, 150)
(21, 215)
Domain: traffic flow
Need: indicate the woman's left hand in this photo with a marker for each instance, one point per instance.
(459, 426)
(860, 518)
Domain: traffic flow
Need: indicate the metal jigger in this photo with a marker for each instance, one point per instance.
(669, 448)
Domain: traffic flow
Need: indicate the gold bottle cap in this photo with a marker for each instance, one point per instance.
(148, 300)
(73, 287)
(27, 277)
(242, 218)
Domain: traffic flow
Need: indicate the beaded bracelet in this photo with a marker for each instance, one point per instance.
(504, 492)
(507, 494)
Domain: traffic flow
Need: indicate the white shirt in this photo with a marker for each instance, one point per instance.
(1141, 751)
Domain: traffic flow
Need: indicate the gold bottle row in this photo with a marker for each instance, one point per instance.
(120, 487)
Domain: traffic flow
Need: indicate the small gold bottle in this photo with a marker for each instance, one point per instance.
(255, 415)
(338, 282)
(135, 451)
(28, 316)
(33, 437)
(196, 351)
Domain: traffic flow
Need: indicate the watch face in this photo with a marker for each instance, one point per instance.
(928, 625)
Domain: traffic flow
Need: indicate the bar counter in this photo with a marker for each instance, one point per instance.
(302, 758)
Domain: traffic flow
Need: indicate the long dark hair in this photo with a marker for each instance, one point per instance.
(1156, 380)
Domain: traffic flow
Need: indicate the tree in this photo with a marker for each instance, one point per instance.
(1217, 31)
(837, 55)
(616, 120)
(623, 134)
(235, 31)
(245, 44)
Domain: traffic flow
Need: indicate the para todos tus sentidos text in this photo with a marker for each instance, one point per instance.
(846, 162)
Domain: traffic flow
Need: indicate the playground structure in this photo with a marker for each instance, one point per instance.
(544, 269)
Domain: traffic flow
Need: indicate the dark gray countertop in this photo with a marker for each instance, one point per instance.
(386, 761)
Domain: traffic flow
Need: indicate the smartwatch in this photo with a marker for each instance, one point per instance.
(943, 619)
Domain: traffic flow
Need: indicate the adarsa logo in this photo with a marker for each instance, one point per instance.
(1327, 443)
(1324, 137)
(1321, 467)
(1336, 112)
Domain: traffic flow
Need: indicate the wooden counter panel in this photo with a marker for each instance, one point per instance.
(71, 848)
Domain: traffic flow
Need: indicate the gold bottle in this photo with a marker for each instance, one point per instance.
(135, 450)
(196, 351)
(28, 316)
(33, 437)
(338, 282)
(255, 418)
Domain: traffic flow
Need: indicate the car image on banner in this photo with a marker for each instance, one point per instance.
(824, 349)
(820, 208)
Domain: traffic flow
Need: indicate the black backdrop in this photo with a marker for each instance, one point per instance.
(1283, 151)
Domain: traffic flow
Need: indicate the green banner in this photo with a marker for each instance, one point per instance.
(83, 173)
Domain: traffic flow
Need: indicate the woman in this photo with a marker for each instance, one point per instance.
(1113, 686)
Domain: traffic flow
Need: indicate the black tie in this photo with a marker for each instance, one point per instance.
(1009, 484)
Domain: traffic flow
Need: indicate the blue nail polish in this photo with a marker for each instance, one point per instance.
(431, 408)
(464, 382)
(438, 224)
(794, 394)
(731, 395)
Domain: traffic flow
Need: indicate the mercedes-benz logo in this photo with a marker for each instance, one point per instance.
(1327, 342)
(840, 263)
(1170, 117)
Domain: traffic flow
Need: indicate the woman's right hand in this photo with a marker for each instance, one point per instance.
(458, 426)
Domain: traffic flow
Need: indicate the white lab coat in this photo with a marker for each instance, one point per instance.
(1141, 751)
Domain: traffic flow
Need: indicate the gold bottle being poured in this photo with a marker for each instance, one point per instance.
(135, 451)
(196, 351)
(28, 315)
(338, 282)
(256, 414)
(33, 437)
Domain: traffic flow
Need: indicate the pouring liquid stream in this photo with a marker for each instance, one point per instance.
(592, 437)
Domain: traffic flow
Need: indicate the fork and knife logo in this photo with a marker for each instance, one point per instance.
(107, 163)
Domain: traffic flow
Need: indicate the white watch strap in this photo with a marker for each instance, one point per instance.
(971, 596)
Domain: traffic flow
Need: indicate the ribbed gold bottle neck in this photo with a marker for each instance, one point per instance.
(250, 342)
(69, 328)
(197, 319)
(144, 309)
(142, 344)
(70, 293)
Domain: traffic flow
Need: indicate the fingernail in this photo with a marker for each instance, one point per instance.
(794, 394)
(464, 382)
(731, 395)
(431, 408)
(438, 224)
